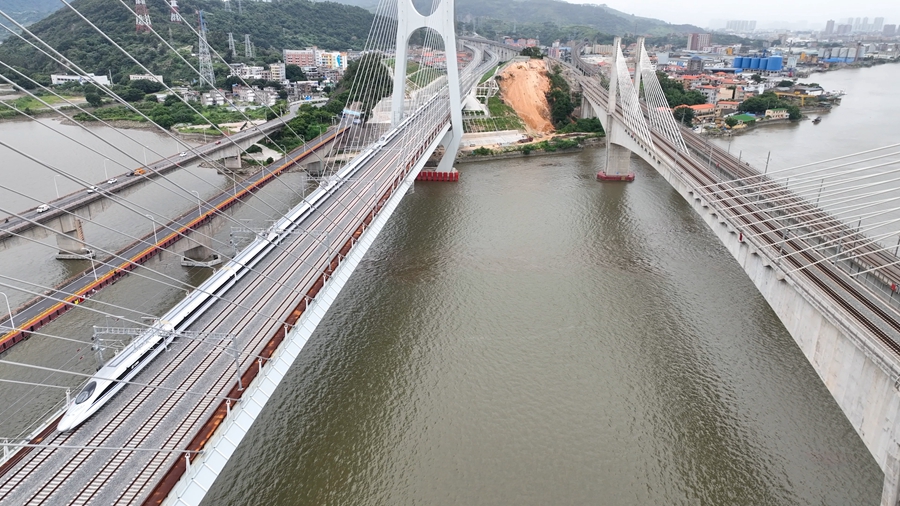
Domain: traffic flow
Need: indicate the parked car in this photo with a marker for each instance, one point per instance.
(43, 207)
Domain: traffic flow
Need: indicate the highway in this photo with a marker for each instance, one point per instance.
(69, 203)
(42, 310)
(73, 467)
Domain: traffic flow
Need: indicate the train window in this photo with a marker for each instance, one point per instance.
(85, 394)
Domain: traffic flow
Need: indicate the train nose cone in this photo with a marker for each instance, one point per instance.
(66, 423)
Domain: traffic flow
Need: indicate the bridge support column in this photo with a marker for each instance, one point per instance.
(70, 239)
(196, 250)
(890, 494)
(618, 163)
(233, 163)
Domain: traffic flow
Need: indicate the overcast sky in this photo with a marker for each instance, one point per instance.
(765, 12)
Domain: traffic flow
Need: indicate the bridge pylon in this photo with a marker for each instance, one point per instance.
(618, 157)
(442, 20)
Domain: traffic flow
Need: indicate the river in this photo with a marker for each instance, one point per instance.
(528, 335)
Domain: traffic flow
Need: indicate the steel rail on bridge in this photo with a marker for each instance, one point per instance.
(281, 298)
(795, 256)
(40, 311)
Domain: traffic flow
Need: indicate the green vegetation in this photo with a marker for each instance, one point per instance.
(482, 151)
(550, 20)
(272, 26)
(731, 121)
(676, 94)
(490, 73)
(173, 112)
(683, 115)
(559, 98)
(586, 125)
(502, 117)
(769, 100)
(533, 52)
(307, 125)
(378, 86)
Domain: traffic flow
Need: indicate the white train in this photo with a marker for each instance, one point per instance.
(122, 368)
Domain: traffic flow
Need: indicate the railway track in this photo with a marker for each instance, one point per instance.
(277, 295)
(801, 255)
(340, 218)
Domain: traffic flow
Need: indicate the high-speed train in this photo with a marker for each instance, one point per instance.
(122, 368)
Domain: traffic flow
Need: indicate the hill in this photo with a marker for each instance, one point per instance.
(26, 12)
(272, 26)
(514, 16)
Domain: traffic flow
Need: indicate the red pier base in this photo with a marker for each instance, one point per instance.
(625, 178)
(431, 175)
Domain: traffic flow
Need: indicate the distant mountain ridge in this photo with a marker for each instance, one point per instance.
(598, 17)
(272, 26)
(26, 12)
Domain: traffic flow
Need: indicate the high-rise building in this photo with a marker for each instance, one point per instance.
(697, 41)
(302, 57)
(844, 29)
(829, 27)
(742, 26)
(889, 30)
(878, 25)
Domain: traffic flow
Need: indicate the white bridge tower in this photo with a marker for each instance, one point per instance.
(442, 21)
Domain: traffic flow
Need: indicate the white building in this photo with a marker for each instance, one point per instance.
(64, 78)
(146, 77)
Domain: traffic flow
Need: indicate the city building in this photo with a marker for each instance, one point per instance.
(829, 27)
(301, 57)
(777, 114)
(694, 66)
(89, 78)
(146, 77)
(704, 113)
(740, 26)
(698, 41)
(278, 72)
(889, 30)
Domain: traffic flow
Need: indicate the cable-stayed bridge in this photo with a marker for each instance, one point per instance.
(224, 348)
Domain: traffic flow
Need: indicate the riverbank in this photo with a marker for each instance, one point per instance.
(554, 146)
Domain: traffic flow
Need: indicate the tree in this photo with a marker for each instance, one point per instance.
(756, 78)
(93, 98)
(684, 115)
(533, 52)
(785, 84)
(731, 121)
(294, 73)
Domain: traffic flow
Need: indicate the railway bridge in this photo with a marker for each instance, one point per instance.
(167, 437)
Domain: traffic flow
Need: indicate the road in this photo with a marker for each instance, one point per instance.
(203, 375)
(69, 203)
(40, 311)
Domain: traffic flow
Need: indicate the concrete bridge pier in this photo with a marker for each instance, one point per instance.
(618, 163)
(197, 250)
(233, 163)
(890, 495)
(70, 239)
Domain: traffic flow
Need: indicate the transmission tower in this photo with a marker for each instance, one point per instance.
(173, 9)
(227, 5)
(142, 15)
(248, 46)
(231, 44)
(240, 7)
(206, 68)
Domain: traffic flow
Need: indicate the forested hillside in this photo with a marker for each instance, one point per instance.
(25, 12)
(547, 19)
(272, 27)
